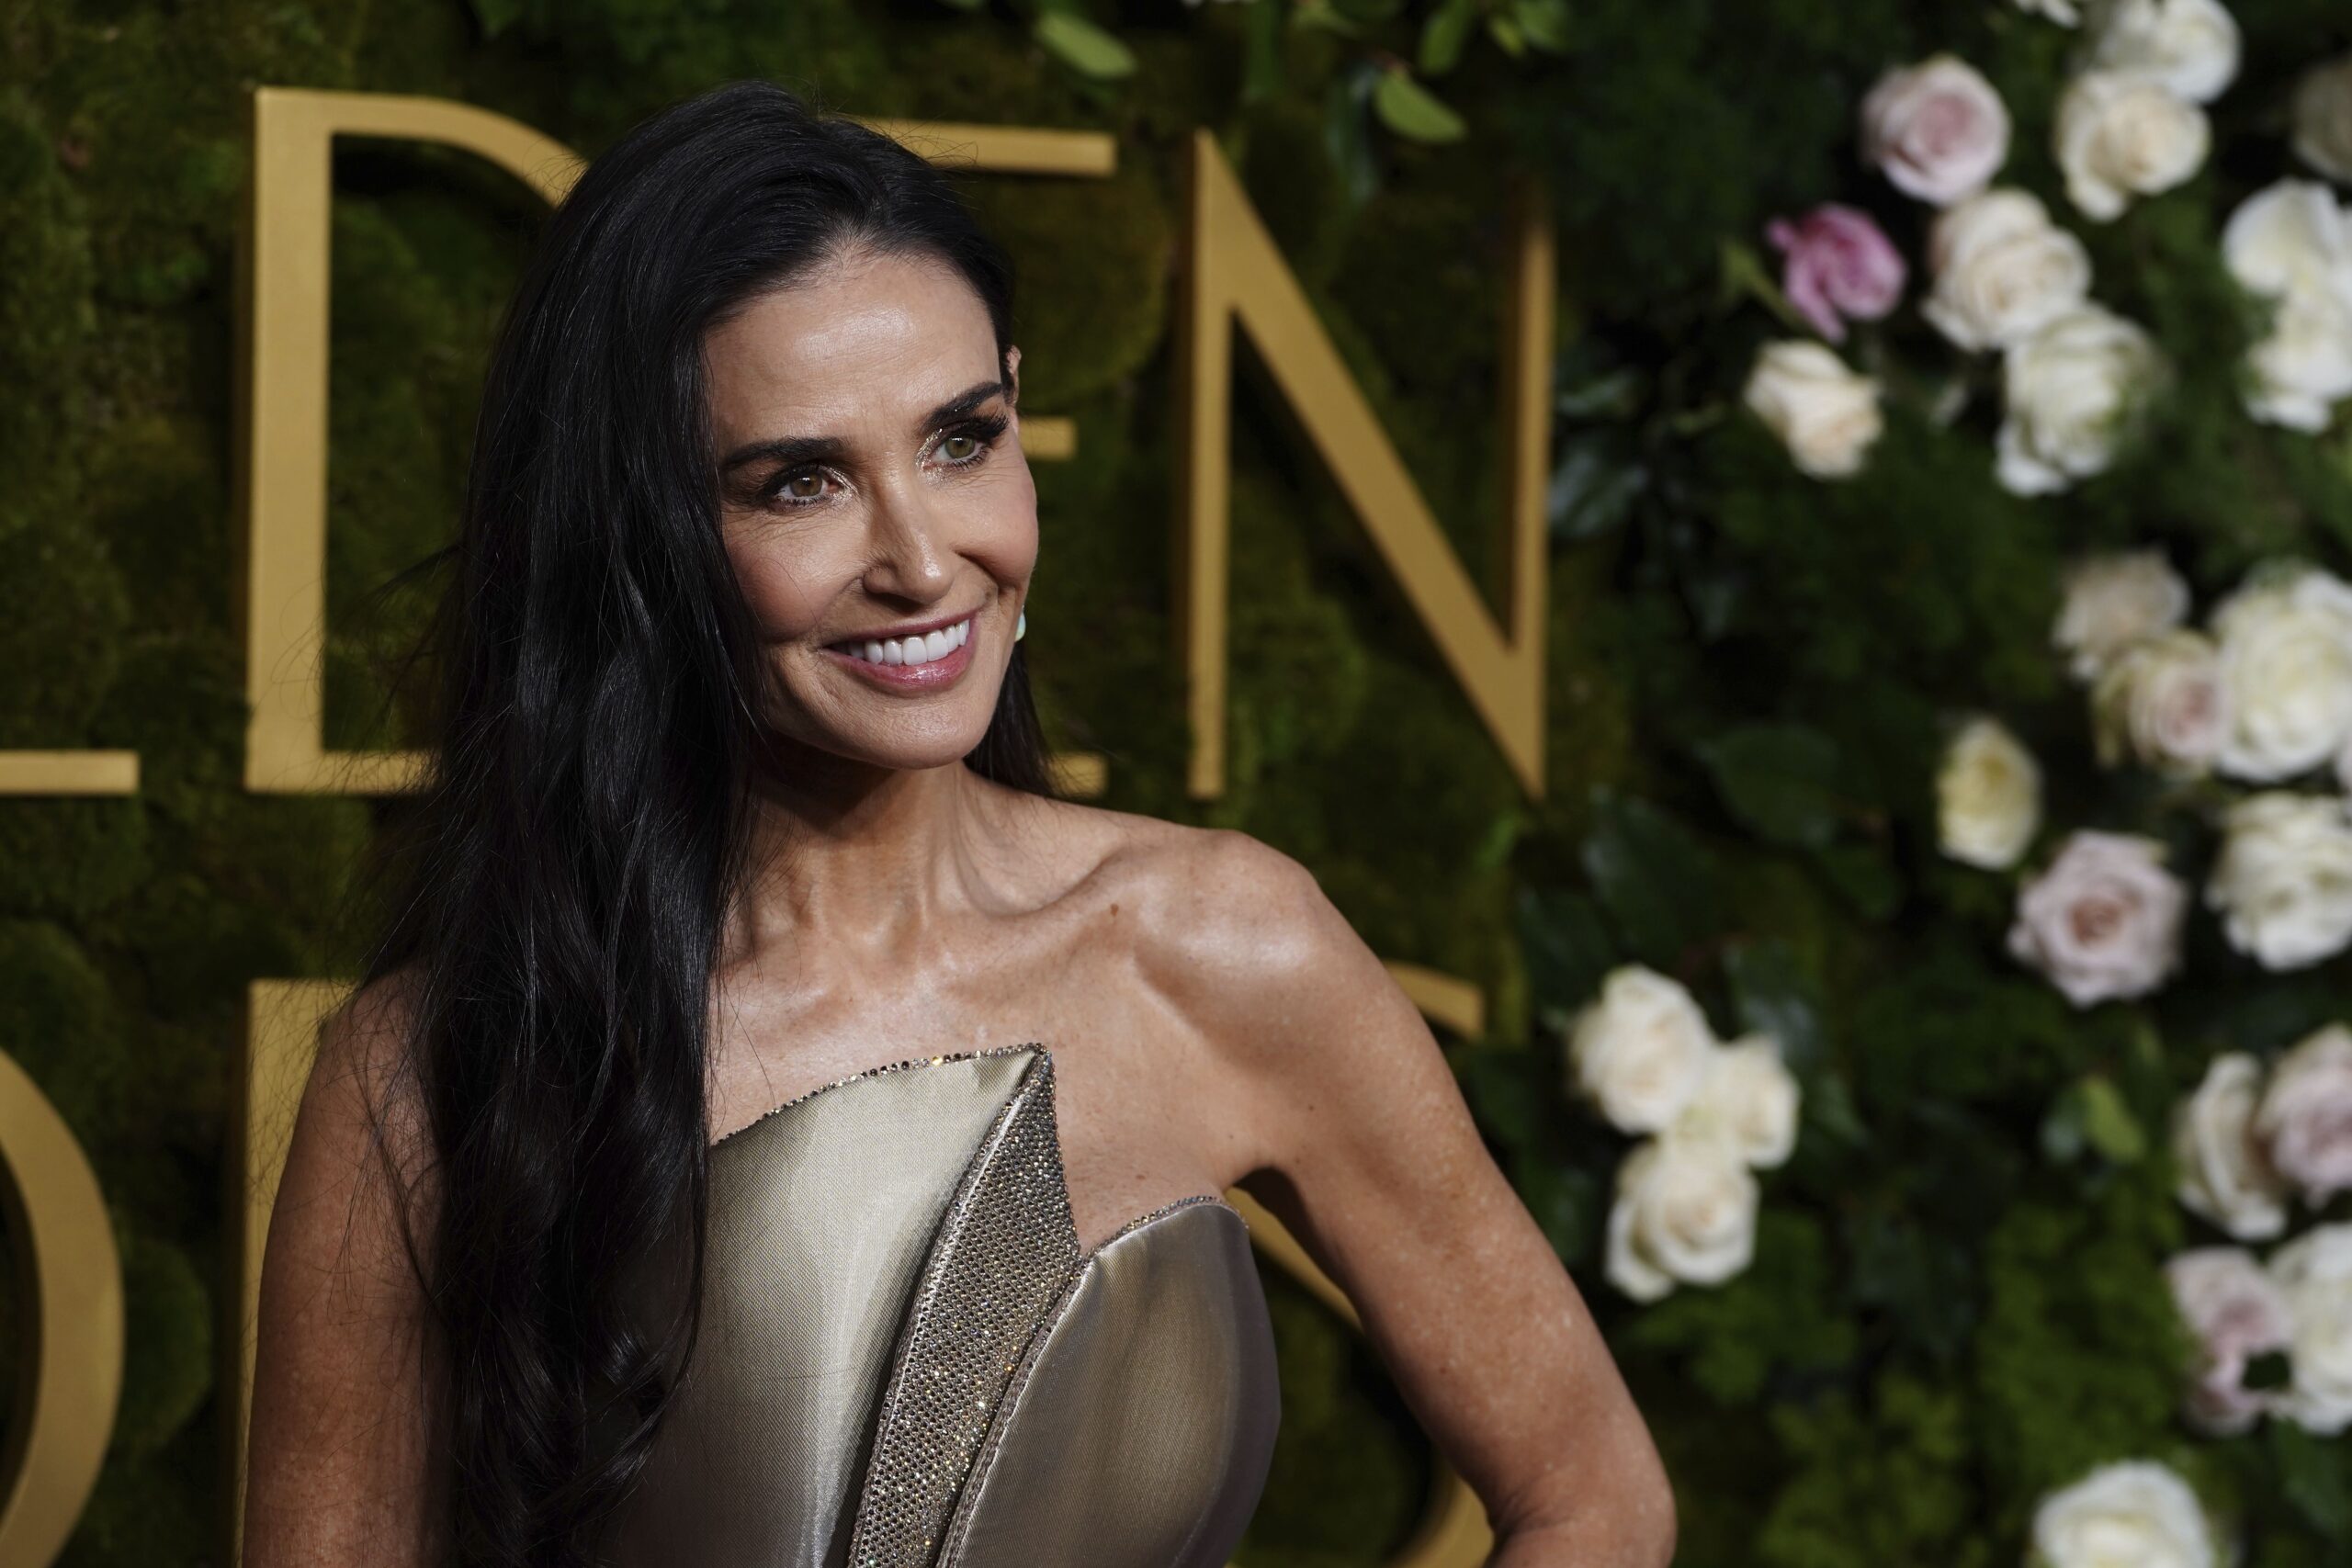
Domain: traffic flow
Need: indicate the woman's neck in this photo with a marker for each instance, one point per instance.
(872, 857)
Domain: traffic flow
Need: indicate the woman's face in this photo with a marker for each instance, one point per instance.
(876, 503)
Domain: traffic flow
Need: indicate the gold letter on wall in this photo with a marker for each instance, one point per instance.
(68, 1288)
(285, 435)
(1235, 273)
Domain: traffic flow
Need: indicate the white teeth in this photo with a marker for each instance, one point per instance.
(914, 650)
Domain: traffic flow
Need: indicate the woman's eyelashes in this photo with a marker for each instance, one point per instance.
(964, 445)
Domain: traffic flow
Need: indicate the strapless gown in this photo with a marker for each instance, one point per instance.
(907, 1359)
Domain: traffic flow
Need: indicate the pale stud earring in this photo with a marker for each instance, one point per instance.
(1021, 627)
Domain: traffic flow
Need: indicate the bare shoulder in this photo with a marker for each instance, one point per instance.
(1285, 1000)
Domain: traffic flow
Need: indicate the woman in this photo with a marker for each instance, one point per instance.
(775, 1129)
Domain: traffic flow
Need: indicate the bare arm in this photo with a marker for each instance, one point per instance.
(1370, 1157)
(338, 1461)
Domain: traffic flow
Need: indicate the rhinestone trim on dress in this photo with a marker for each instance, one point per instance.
(876, 1072)
(1004, 1251)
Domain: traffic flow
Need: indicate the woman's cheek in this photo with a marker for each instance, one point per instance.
(777, 590)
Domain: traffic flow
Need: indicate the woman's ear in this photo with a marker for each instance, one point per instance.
(1012, 375)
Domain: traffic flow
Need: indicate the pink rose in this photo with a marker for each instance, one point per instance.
(1937, 129)
(2238, 1312)
(2103, 919)
(1839, 264)
(2305, 1115)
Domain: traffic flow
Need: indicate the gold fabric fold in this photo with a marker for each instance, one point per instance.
(821, 1216)
(1142, 1422)
(905, 1360)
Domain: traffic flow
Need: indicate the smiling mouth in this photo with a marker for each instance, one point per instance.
(919, 650)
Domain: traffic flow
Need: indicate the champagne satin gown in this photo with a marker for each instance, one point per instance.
(907, 1361)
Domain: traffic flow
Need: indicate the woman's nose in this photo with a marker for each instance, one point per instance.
(906, 559)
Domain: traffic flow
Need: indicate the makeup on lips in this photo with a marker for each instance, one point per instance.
(915, 661)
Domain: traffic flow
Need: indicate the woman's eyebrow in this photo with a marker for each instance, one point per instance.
(798, 449)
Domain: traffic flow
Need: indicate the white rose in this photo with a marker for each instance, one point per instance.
(2289, 237)
(2118, 135)
(2291, 243)
(2314, 1273)
(2303, 368)
(1825, 413)
(2074, 391)
(2002, 270)
(2324, 118)
(2305, 1117)
(2190, 47)
(2283, 881)
(1746, 1101)
(2103, 919)
(1937, 129)
(2163, 703)
(2238, 1312)
(1639, 1050)
(2113, 601)
(2223, 1172)
(2134, 1514)
(2286, 641)
(1685, 1210)
(1988, 796)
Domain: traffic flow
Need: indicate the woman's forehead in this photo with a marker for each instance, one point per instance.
(874, 337)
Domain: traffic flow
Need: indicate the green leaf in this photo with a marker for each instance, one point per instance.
(1593, 485)
(1545, 23)
(2062, 1127)
(1444, 35)
(1261, 55)
(1414, 112)
(1613, 394)
(1775, 996)
(2109, 1123)
(1658, 882)
(1779, 779)
(1344, 132)
(1567, 946)
(1829, 1107)
(1506, 34)
(1083, 47)
(2313, 1473)
(1862, 877)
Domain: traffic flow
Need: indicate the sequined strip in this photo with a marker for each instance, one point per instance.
(1005, 1248)
(978, 1053)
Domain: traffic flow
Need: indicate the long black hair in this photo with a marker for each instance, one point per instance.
(559, 888)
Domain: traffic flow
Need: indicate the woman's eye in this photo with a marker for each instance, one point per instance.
(965, 456)
(783, 490)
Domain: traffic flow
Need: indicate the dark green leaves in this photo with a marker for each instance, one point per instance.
(1659, 884)
(1779, 779)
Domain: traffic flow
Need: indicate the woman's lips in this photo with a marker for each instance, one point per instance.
(930, 675)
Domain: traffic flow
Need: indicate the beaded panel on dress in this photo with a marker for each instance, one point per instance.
(1005, 1249)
